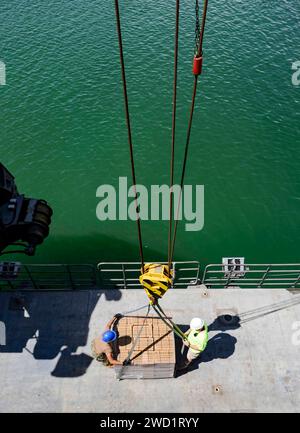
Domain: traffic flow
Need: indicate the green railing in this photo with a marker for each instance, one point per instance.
(124, 275)
(17, 276)
(272, 276)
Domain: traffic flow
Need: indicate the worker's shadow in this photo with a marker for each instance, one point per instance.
(50, 326)
(220, 346)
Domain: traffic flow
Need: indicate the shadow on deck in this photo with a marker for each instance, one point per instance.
(50, 324)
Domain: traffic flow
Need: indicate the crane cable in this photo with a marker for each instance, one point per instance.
(138, 220)
(199, 35)
(173, 132)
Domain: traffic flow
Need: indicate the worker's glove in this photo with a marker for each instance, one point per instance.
(118, 316)
(127, 362)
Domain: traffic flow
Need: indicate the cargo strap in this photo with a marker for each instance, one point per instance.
(157, 308)
(133, 311)
(127, 360)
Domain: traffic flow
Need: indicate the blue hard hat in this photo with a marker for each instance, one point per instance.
(109, 336)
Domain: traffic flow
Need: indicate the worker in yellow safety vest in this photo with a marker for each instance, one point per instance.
(197, 338)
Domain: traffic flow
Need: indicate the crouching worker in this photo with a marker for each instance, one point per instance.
(103, 346)
(197, 338)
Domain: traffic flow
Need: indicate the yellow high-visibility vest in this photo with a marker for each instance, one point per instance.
(198, 339)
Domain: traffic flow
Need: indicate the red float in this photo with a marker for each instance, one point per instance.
(197, 66)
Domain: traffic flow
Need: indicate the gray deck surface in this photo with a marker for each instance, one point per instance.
(45, 365)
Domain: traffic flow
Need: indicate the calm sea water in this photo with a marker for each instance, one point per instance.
(63, 132)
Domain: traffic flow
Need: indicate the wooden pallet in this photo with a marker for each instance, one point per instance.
(154, 354)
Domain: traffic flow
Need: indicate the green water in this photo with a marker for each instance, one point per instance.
(63, 130)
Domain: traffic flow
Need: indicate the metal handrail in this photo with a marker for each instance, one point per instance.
(51, 277)
(267, 275)
(108, 269)
(126, 275)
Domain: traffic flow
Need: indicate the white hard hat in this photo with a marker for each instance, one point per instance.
(196, 323)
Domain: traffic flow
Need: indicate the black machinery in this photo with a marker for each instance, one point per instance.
(24, 222)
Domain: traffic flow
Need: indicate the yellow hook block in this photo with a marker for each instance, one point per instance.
(156, 280)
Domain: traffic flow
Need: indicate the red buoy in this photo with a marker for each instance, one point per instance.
(197, 66)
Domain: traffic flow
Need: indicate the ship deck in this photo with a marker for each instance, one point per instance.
(251, 363)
